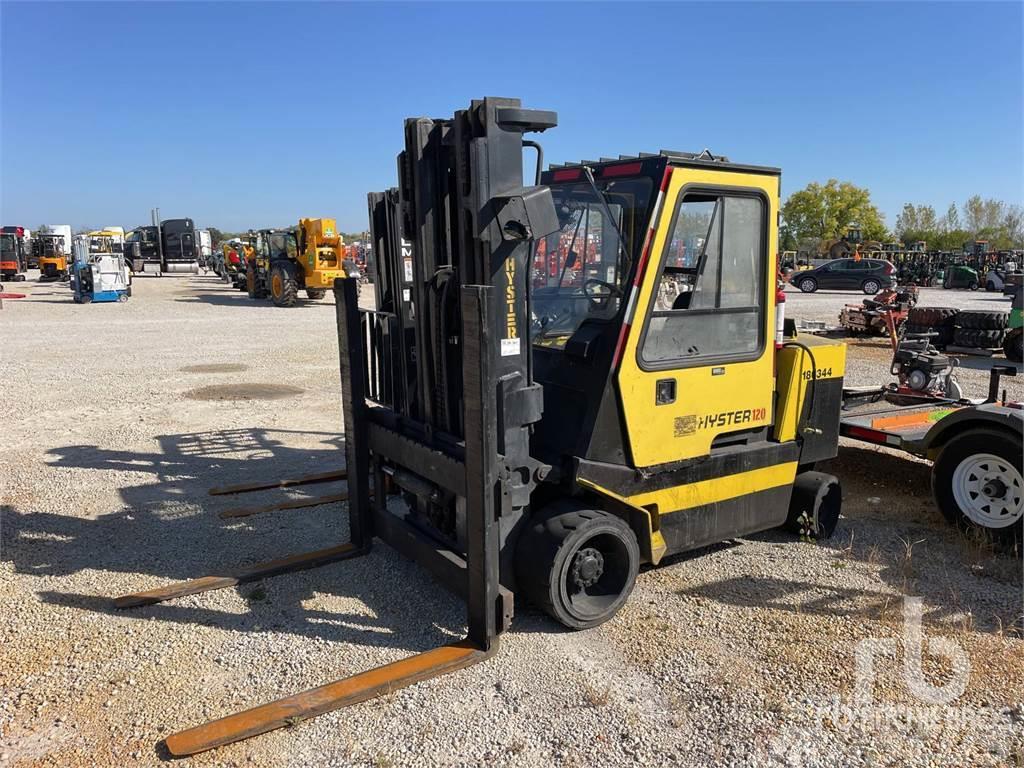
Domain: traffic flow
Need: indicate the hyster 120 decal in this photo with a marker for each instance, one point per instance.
(688, 425)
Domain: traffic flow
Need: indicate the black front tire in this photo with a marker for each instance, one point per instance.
(284, 288)
(315, 294)
(808, 285)
(577, 564)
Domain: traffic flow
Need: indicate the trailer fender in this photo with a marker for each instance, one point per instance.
(991, 416)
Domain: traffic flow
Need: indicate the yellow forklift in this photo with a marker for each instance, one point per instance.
(52, 253)
(287, 261)
(561, 382)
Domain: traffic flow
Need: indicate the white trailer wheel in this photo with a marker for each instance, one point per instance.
(989, 490)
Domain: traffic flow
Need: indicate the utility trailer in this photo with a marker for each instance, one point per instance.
(975, 448)
(560, 382)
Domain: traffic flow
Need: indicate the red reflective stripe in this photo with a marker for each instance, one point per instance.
(567, 175)
(871, 435)
(620, 345)
(627, 169)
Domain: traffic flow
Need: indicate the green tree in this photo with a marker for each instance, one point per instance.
(916, 222)
(983, 215)
(42, 229)
(216, 236)
(951, 220)
(824, 211)
(787, 240)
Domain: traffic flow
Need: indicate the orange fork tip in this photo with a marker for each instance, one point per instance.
(317, 701)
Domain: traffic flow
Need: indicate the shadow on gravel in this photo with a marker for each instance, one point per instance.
(160, 533)
(242, 299)
(891, 523)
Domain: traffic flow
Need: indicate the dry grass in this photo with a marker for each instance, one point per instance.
(906, 560)
(596, 697)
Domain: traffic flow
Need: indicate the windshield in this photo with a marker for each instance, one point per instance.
(283, 245)
(6, 242)
(581, 272)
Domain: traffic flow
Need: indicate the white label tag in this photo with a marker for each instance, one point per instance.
(408, 270)
(509, 347)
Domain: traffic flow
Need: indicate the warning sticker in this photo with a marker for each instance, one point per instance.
(408, 270)
(685, 425)
(509, 347)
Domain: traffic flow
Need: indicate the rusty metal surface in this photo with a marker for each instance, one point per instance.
(287, 482)
(239, 576)
(317, 701)
(296, 504)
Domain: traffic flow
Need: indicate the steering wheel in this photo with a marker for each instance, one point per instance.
(599, 300)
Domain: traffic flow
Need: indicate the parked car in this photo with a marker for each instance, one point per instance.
(868, 275)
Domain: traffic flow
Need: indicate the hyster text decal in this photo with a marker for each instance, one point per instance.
(511, 331)
(510, 344)
(687, 425)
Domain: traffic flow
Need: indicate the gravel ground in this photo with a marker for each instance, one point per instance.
(741, 654)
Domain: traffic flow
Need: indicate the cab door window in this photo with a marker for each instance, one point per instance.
(709, 301)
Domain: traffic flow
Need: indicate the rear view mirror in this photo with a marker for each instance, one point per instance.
(527, 213)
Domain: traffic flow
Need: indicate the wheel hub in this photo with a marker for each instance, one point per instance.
(989, 490)
(587, 567)
(994, 488)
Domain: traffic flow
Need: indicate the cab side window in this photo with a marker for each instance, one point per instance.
(709, 300)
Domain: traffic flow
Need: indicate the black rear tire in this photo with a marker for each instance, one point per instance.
(871, 287)
(969, 337)
(1013, 345)
(982, 320)
(315, 294)
(807, 284)
(577, 564)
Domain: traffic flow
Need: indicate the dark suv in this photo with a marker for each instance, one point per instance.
(868, 275)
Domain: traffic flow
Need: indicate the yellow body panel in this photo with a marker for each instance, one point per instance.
(716, 489)
(711, 399)
(60, 262)
(322, 259)
(794, 374)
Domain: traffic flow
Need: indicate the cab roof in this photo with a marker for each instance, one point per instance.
(645, 162)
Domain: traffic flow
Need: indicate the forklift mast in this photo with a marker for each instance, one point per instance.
(445, 359)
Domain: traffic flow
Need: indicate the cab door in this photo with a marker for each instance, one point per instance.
(697, 370)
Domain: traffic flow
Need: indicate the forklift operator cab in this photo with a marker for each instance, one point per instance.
(653, 339)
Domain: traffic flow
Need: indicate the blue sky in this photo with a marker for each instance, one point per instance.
(244, 115)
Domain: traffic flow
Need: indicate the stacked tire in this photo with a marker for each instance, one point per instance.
(980, 329)
(937, 320)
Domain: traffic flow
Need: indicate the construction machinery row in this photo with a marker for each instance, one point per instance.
(278, 264)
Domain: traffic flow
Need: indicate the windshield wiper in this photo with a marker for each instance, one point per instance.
(600, 194)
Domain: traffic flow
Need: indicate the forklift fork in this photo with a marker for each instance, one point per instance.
(317, 701)
(488, 605)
